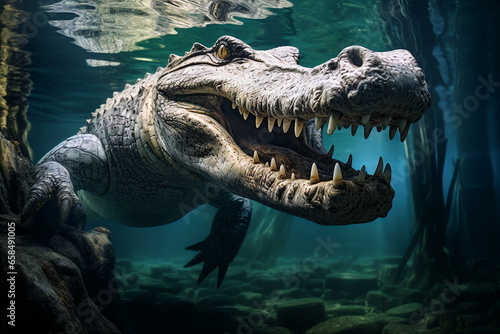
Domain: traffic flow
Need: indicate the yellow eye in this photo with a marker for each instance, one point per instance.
(222, 52)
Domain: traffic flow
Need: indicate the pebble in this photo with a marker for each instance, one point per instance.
(412, 295)
(407, 329)
(272, 330)
(487, 293)
(158, 271)
(156, 286)
(478, 330)
(354, 324)
(124, 266)
(406, 310)
(249, 298)
(300, 314)
(136, 294)
(269, 284)
(354, 283)
(382, 301)
(340, 310)
(214, 300)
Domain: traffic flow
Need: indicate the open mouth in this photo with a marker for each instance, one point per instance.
(294, 149)
(267, 123)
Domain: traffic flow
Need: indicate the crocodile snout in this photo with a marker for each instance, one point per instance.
(382, 84)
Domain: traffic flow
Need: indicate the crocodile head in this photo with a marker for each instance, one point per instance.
(251, 122)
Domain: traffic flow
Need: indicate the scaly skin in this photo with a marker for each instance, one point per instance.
(191, 134)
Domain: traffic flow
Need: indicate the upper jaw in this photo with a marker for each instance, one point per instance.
(357, 88)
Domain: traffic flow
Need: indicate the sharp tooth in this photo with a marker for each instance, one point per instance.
(405, 132)
(330, 151)
(314, 174)
(368, 129)
(270, 123)
(385, 121)
(319, 122)
(340, 125)
(286, 124)
(266, 164)
(282, 173)
(273, 164)
(333, 121)
(280, 121)
(402, 125)
(380, 165)
(245, 114)
(354, 128)
(361, 176)
(299, 126)
(256, 159)
(388, 173)
(233, 105)
(337, 175)
(292, 177)
(258, 121)
(365, 119)
(349, 160)
(392, 131)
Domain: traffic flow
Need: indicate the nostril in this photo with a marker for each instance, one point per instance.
(332, 64)
(354, 57)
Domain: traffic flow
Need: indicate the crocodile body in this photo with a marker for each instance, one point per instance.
(226, 124)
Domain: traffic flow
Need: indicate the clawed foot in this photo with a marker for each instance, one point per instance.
(228, 231)
(214, 254)
(52, 180)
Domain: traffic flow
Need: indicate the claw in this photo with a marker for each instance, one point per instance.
(64, 209)
(53, 180)
(196, 260)
(222, 273)
(30, 207)
(208, 267)
(196, 247)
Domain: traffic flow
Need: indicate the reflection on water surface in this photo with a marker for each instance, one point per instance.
(112, 27)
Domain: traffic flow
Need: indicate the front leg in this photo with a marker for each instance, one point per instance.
(77, 163)
(228, 231)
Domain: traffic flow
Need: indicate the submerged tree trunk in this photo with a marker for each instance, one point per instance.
(449, 150)
(409, 26)
(477, 91)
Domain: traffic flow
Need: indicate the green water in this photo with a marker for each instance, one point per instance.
(454, 43)
(66, 90)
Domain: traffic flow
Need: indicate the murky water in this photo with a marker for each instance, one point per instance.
(83, 51)
(76, 66)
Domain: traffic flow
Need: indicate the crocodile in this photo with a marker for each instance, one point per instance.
(215, 127)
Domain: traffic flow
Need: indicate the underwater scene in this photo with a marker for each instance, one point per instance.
(250, 166)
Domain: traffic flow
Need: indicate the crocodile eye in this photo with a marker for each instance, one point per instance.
(223, 52)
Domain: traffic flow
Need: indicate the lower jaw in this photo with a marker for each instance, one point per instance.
(325, 203)
(292, 162)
